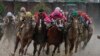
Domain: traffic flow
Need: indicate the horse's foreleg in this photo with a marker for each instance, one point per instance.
(41, 45)
(86, 42)
(35, 48)
(71, 46)
(44, 47)
(23, 44)
(66, 45)
(27, 46)
(3, 40)
(76, 46)
(47, 51)
(54, 50)
(16, 44)
(58, 49)
(87, 39)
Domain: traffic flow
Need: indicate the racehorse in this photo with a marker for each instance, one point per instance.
(73, 34)
(9, 31)
(25, 36)
(40, 34)
(87, 34)
(55, 37)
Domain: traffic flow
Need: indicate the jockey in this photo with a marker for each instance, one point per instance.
(27, 16)
(87, 20)
(22, 13)
(42, 14)
(21, 16)
(9, 15)
(58, 14)
(46, 18)
(23, 10)
(69, 14)
(74, 13)
(85, 17)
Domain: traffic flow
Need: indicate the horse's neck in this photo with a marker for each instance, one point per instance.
(74, 25)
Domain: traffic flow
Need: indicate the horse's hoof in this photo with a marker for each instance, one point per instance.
(98, 37)
(58, 51)
(33, 54)
(47, 53)
(25, 53)
(12, 54)
(71, 54)
(75, 51)
(83, 48)
(65, 52)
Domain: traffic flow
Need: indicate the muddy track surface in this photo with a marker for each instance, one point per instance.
(92, 49)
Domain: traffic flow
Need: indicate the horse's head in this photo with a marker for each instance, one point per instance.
(81, 27)
(75, 22)
(28, 23)
(41, 24)
(59, 23)
(9, 19)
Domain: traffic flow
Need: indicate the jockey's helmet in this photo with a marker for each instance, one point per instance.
(57, 8)
(74, 13)
(41, 10)
(61, 10)
(9, 14)
(23, 9)
(28, 14)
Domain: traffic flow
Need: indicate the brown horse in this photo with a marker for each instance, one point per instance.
(55, 37)
(25, 36)
(40, 34)
(72, 34)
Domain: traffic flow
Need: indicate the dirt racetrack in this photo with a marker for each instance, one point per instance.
(92, 49)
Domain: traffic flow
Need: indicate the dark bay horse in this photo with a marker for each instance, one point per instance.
(40, 34)
(55, 37)
(25, 36)
(73, 34)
